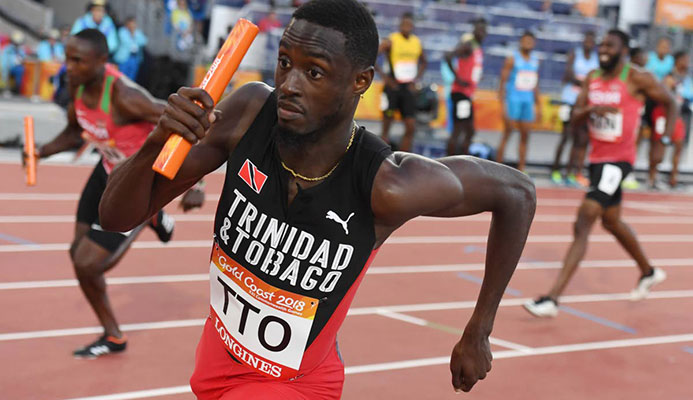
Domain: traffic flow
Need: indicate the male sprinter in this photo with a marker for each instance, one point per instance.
(309, 198)
(580, 62)
(468, 70)
(519, 93)
(612, 98)
(116, 115)
(406, 63)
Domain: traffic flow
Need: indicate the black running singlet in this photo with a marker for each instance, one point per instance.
(282, 276)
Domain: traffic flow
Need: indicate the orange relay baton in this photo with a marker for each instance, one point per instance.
(30, 150)
(217, 78)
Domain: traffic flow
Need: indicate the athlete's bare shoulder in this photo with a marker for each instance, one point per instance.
(238, 111)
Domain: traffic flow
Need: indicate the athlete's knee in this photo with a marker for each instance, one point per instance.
(610, 223)
(584, 222)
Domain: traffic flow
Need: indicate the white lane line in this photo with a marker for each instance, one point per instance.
(422, 322)
(549, 218)
(141, 394)
(561, 349)
(402, 317)
(68, 197)
(97, 329)
(589, 298)
(125, 280)
(423, 362)
(389, 270)
(396, 240)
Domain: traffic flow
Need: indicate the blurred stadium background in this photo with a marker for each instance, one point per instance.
(171, 58)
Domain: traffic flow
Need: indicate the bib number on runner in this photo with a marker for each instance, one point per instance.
(610, 180)
(526, 81)
(405, 71)
(264, 327)
(607, 128)
(463, 109)
(476, 73)
(384, 102)
(564, 113)
(660, 125)
(106, 147)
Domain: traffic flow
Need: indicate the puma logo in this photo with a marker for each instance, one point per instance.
(334, 217)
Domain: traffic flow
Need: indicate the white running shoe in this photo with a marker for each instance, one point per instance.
(542, 307)
(646, 282)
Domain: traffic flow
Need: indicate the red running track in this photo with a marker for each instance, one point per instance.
(405, 319)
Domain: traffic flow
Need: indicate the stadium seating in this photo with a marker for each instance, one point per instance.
(440, 25)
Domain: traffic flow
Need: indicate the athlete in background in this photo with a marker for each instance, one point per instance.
(519, 94)
(308, 200)
(467, 63)
(612, 99)
(580, 62)
(115, 115)
(405, 66)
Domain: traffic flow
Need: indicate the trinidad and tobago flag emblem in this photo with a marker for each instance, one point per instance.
(252, 176)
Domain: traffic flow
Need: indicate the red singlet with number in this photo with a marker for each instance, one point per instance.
(114, 142)
(613, 135)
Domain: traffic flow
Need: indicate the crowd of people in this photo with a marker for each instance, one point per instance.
(126, 41)
(518, 94)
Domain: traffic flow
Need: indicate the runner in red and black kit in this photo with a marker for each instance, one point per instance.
(309, 197)
(470, 65)
(115, 115)
(612, 98)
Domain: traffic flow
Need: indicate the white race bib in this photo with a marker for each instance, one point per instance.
(405, 71)
(660, 125)
(262, 326)
(476, 73)
(564, 113)
(106, 147)
(607, 128)
(384, 102)
(526, 80)
(463, 109)
(610, 180)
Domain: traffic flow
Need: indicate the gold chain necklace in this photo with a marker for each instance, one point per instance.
(319, 178)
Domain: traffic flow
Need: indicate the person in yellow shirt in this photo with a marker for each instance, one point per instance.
(405, 65)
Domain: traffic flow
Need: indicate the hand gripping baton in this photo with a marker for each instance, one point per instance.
(215, 82)
(30, 150)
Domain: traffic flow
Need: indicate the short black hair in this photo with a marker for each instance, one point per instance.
(528, 33)
(635, 51)
(679, 54)
(96, 39)
(350, 18)
(625, 38)
(590, 33)
(407, 15)
(479, 21)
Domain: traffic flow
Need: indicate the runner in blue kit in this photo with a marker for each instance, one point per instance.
(309, 198)
(519, 94)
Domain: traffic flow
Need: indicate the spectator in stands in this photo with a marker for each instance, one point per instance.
(12, 62)
(182, 23)
(406, 63)
(51, 49)
(580, 62)
(269, 22)
(661, 62)
(198, 10)
(130, 48)
(519, 94)
(97, 18)
(638, 57)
